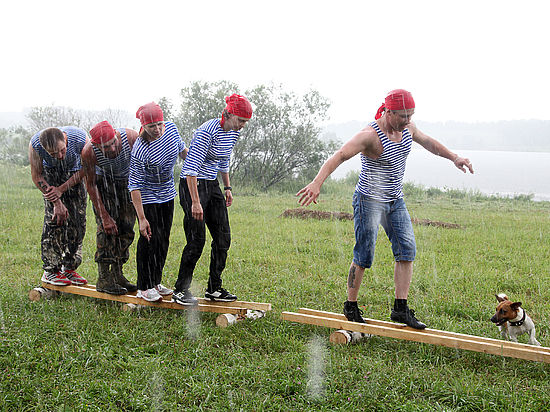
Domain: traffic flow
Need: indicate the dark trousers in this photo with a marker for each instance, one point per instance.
(62, 245)
(216, 218)
(151, 254)
(116, 198)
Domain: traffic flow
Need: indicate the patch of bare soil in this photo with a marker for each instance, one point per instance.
(302, 213)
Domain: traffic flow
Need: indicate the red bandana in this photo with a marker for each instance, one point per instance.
(102, 132)
(239, 106)
(397, 99)
(149, 113)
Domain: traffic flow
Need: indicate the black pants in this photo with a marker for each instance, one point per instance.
(216, 218)
(151, 254)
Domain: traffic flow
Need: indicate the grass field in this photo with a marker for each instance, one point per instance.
(76, 353)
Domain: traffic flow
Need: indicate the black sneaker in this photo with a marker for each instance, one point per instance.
(407, 317)
(185, 298)
(220, 295)
(352, 312)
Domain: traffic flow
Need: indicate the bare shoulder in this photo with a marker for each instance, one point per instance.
(131, 135)
(88, 154)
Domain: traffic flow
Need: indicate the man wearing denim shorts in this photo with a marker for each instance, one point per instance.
(378, 199)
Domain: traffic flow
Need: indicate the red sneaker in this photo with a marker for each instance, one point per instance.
(74, 277)
(55, 278)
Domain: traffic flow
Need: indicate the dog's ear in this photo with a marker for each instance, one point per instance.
(501, 297)
(515, 305)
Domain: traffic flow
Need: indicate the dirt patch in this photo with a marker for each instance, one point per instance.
(321, 215)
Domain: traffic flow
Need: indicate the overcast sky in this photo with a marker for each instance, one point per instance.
(463, 60)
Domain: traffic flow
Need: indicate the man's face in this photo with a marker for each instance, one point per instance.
(111, 148)
(60, 150)
(155, 129)
(236, 123)
(399, 119)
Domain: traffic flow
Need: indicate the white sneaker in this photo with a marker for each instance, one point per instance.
(150, 295)
(163, 290)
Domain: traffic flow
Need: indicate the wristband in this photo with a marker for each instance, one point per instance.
(227, 188)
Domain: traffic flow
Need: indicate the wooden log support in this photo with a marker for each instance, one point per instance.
(227, 319)
(431, 336)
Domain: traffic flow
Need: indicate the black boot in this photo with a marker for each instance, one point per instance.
(106, 281)
(401, 313)
(352, 312)
(121, 280)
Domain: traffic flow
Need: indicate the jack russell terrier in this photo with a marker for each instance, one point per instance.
(513, 321)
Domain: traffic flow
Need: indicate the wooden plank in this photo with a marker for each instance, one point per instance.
(435, 332)
(203, 301)
(89, 291)
(527, 352)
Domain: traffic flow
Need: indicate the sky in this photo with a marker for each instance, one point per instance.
(465, 60)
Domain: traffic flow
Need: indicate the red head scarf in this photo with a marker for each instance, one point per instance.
(237, 105)
(102, 132)
(149, 113)
(397, 99)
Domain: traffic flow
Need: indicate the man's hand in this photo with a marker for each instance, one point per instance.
(60, 213)
(145, 229)
(53, 194)
(196, 211)
(109, 225)
(463, 163)
(228, 198)
(309, 194)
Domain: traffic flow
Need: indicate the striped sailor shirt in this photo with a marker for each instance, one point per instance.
(76, 139)
(119, 167)
(209, 151)
(382, 179)
(152, 166)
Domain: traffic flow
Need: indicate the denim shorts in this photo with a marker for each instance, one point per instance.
(394, 217)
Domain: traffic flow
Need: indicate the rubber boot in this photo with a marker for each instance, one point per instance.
(106, 281)
(121, 280)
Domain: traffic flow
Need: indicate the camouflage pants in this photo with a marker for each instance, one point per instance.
(117, 201)
(62, 245)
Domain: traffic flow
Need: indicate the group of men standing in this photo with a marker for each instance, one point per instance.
(129, 174)
(61, 158)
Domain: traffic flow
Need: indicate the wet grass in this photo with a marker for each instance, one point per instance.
(75, 353)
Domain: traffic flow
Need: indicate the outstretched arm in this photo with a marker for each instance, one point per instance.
(356, 144)
(437, 148)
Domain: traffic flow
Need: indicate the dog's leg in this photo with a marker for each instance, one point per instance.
(532, 339)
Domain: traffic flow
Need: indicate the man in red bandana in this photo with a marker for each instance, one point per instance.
(106, 164)
(378, 199)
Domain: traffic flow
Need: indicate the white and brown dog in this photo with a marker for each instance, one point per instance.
(513, 321)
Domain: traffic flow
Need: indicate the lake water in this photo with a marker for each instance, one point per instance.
(503, 173)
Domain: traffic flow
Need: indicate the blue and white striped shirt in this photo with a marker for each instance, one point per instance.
(382, 179)
(76, 139)
(209, 151)
(152, 166)
(119, 167)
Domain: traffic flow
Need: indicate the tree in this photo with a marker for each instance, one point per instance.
(280, 142)
(14, 145)
(42, 117)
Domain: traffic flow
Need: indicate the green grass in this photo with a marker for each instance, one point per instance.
(76, 353)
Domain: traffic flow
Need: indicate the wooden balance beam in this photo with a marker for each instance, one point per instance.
(205, 305)
(431, 336)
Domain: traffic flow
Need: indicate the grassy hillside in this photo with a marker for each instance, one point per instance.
(77, 353)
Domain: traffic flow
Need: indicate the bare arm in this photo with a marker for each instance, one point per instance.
(144, 227)
(196, 207)
(228, 194)
(360, 142)
(89, 162)
(437, 148)
(60, 212)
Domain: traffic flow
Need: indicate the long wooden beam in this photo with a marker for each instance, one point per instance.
(90, 291)
(431, 336)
